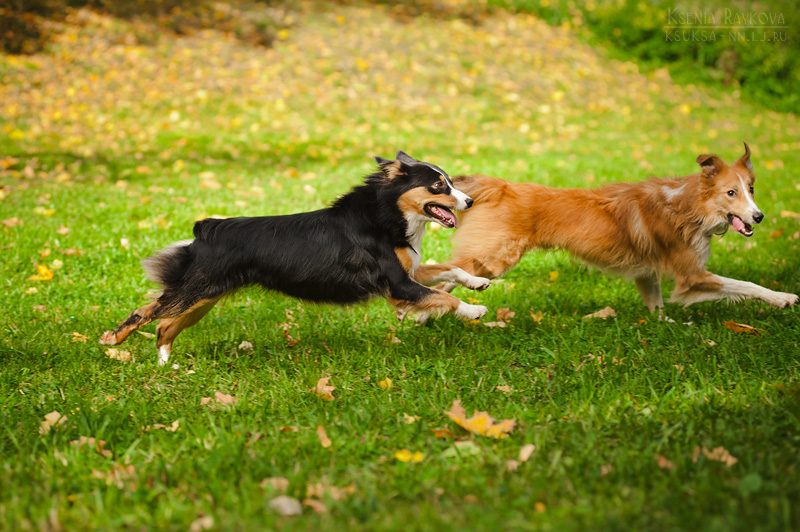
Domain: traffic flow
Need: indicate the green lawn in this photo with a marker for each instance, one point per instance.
(111, 147)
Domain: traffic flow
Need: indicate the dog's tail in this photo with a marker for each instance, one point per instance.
(168, 266)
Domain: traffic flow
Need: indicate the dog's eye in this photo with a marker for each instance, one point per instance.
(752, 191)
(438, 185)
(731, 193)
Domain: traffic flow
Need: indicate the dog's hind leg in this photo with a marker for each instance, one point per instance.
(650, 290)
(138, 318)
(169, 328)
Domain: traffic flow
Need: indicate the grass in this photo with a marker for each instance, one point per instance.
(134, 142)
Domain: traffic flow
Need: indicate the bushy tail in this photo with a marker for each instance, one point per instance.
(476, 186)
(168, 266)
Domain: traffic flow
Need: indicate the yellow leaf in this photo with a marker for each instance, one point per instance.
(323, 390)
(537, 316)
(219, 399)
(742, 328)
(408, 420)
(43, 273)
(385, 383)
(789, 214)
(553, 275)
(720, 454)
(78, 337)
(404, 455)
(526, 451)
(480, 423)
(539, 507)
(116, 354)
(504, 388)
(323, 437)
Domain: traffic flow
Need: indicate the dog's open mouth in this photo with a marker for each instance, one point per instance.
(443, 215)
(739, 225)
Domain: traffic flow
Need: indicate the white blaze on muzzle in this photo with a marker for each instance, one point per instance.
(752, 208)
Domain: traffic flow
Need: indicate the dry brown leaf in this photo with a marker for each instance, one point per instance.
(288, 428)
(442, 433)
(537, 316)
(173, 427)
(776, 233)
(720, 454)
(12, 222)
(480, 423)
(500, 324)
(526, 451)
(604, 313)
(504, 388)
(92, 443)
(78, 337)
(323, 437)
(408, 420)
(63, 230)
(742, 328)
(116, 354)
(504, 314)
(51, 420)
(323, 390)
(789, 214)
(220, 398)
(315, 505)
(286, 505)
(276, 483)
(205, 522)
(664, 462)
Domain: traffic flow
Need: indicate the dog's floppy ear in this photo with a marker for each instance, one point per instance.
(711, 164)
(405, 158)
(744, 160)
(390, 169)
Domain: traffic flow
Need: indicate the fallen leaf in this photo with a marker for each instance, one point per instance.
(742, 328)
(604, 313)
(442, 433)
(205, 522)
(43, 273)
(12, 222)
(500, 324)
(78, 337)
(116, 354)
(720, 454)
(53, 419)
(323, 437)
(385, 383)
(408, 420)
(526, 451)
(404, 455)
(276, 483)
(539, 507)
(286, 505)
(219, 399)
(123, 242)
(712, 343)
(776, 233)
(504, 314)
(63, 230)
(323, 390)
(512, 465)
(480, 423)
(246, 346)
(789, 214)
(664, 463)
(553, 275)
(504, 388)
(97, 445)
(537, 316)
(315, 505)
(288, 428)
(169, 428)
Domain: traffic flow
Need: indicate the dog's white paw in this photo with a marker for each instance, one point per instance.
(783, 300)
(421, 318)
(470, 312)
(108, 338)
(400, 314)
(478, 283)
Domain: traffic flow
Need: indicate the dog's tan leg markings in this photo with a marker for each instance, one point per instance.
(431, 274)
(438, 303)
(138, 318)
(711, 287)
(650, 290)
(169, 328)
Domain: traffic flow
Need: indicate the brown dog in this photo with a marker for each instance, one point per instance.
(641, 231)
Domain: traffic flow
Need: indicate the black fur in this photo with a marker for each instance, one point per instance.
(342, 254)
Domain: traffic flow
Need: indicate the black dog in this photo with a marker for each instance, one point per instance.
(366, 244)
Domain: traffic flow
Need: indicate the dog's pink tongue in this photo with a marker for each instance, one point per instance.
(737, 223)
(450, 216)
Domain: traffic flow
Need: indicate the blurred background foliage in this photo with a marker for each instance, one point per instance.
(765, 66)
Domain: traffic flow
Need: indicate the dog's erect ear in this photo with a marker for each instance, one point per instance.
(711, 164)
(390, 169)
(744, 160)
(405, 158)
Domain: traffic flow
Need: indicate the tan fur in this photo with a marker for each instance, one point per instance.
(436, 304)
(638, 230)
(414, 201)
(404, 256)
(169, 328)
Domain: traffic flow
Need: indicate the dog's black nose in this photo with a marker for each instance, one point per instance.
(469, 203)
(757, 217)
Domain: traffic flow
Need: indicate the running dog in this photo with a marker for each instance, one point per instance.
(366, 244)
(641, 231)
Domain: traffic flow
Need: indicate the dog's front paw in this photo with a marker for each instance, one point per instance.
(470, 312)
(108, 338)
(421, 318)
(783, 300)
(478, 283)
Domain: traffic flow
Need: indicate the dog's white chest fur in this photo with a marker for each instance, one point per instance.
(416, 230)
